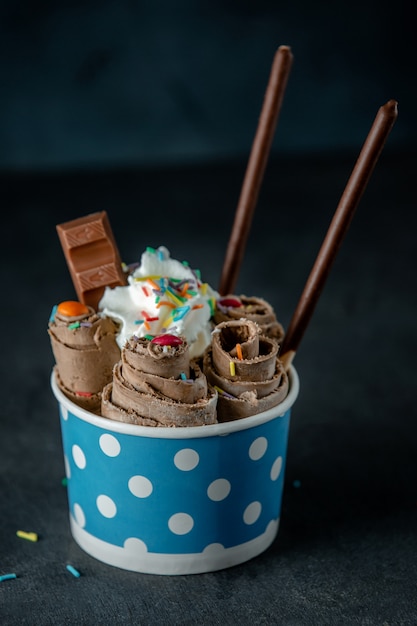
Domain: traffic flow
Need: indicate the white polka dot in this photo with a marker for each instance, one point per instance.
(219, 489)
(252, 512)
(276, 468)
(67, 467)
(213, 549)
(186, 459)
(109, 445)
(140, 486)
(180, 523)
(79, 515)
(135, 545)
(79, 457)
(106, 506)
(258, 448)
(64, 413)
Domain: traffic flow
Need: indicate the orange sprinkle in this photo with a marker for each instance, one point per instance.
(165, 303)
(72, 308)
(198, 306)
(239, 351)
(153, 284)
(147, 325)
(183, 293)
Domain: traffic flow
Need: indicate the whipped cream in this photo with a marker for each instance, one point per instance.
(163, 295)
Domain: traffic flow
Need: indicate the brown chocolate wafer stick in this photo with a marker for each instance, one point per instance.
(255, 169)
(339, 225)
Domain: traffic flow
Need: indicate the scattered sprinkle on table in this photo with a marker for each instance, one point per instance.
(7, 577)
(29, 536)
(73, 571)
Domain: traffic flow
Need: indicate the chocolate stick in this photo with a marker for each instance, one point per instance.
(339, 225)
(255, 169)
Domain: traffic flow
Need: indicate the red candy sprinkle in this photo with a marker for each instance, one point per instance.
(167, 340)
(232, 302)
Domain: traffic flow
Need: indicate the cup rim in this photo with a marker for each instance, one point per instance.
(181, 432)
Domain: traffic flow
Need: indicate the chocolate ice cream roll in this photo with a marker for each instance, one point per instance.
(257, 310)
(243, 366)
(157, 384)
(85, 350)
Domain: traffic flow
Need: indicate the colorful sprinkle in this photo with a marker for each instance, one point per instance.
(83, 394)
(198, 306)
(239, 352)
(153, 283)
(224, 393)
(181, 312)
(150, 249)
(29, 536)
(74, 325)
(165, 303)
(183, 376)
(145, 291)
(64, 481)
(177, 299)
(7, 577)
(232, 369)
(53, 313)
(72, 308)
(73, 571)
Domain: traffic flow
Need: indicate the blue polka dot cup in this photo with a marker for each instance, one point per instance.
(175, 500)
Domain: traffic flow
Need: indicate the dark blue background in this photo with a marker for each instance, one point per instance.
(107, 82)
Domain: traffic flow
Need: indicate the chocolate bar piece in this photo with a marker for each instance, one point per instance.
(92, 256)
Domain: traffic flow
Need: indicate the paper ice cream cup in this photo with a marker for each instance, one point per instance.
(171, 501)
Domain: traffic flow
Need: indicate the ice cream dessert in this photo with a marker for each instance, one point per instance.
(243, 366)
(85, 350)
(162, 295)
(232, 307)
(157, 384)
(139, 358)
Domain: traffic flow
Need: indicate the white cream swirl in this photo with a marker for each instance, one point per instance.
(163, 296)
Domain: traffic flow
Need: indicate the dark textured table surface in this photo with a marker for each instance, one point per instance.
(346, 551)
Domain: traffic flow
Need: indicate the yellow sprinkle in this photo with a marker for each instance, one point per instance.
(138, 278)
(232, 368)
(29, 536)
(203, 289)
(174, 298)
(167, 322)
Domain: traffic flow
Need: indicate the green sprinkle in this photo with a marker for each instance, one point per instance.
(150, 249)
(74, 325)
(64, 481)
(150, 337)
